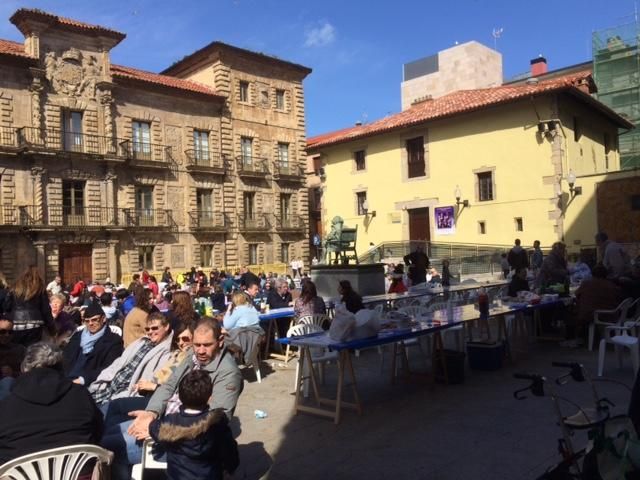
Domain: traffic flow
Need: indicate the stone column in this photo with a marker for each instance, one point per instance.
(112, 260)
(38, 174)
(40, 246)
(111, 203)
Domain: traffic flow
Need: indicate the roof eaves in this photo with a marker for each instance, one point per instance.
(215, 45)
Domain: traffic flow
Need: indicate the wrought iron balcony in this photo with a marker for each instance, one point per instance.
(258, 222)
(287, 171)
(208, 220)
(148, 154)
(148, 218)
(289, 223)
(59, 141)
(203, 160)
(61, 216)
(252, 166)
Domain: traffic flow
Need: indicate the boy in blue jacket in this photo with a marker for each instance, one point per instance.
(198, 441)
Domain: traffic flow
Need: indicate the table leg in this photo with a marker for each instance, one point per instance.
(354, 386)
(340, 384)
(394, 353)
(438, 355)
(267, 344)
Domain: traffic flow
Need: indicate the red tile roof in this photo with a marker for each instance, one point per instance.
(465, 101)
(50, 18)
(118, 71)
(8, 47)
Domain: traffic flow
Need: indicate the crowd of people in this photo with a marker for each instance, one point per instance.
(113, 365)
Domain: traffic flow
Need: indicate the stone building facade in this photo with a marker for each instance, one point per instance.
(105, 169)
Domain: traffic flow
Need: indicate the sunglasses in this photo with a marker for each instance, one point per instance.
(92, 320)
(185, 339)
(4, 331)
(155, 328)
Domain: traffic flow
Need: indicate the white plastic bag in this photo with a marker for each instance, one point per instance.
(342, 325)
(367, 324)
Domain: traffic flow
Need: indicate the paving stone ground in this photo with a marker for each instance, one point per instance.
(409, 430)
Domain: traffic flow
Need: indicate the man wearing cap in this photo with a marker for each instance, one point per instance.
(91, 349)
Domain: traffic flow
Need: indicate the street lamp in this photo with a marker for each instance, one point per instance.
(458, 194)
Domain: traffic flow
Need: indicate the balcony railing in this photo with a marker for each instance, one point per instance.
(252, 166)
(208, 220)
(288, 171)
(148, 153)
(147, 218)
(289, 223)
(57, 216)
(202, 159)
(70, 142)
(8, 137)
(254, 223)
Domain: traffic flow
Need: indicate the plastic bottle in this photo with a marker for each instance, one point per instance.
(483, 302)
(260, 414)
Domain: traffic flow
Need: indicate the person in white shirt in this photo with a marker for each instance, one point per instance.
(55, 286)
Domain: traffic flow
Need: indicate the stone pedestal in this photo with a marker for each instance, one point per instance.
(366, 279)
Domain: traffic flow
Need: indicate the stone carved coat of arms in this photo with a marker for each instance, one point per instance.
(72, 74)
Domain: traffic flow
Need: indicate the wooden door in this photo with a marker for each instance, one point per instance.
(75, 262)
(419, 224)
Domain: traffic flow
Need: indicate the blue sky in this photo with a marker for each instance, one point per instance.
(356, 48)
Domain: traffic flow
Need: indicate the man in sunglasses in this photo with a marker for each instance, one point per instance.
(11, 355)
(207, 354)
(91, 349)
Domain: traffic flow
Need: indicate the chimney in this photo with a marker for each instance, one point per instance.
(539, 66)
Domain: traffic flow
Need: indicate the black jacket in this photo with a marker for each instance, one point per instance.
(198, 445)
(105, 351)
(517, 285)
(34, 309)
(46, 410)
(353, 302)
(518, 258)
(275, 300)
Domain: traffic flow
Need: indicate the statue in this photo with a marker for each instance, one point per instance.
(332, 240)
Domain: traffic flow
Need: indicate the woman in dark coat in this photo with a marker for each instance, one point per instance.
(28, 306)
(352, 301)
(92, 349)
(45, 409)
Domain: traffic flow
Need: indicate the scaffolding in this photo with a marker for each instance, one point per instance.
(616, 71)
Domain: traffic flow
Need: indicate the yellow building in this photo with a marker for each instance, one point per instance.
(501, 157)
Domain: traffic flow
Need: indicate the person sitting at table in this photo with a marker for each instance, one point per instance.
(519, 282)
(242, 325)
(11, 355)
(135, 321)
(434, 276)
(218, 298)
(308, 303)
(181, 310)
(349, 297)
(397, 284)
(554, 266)
(281, 296)
(595, 293)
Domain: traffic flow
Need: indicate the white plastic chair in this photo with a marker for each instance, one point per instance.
(318, 319)
(147, 463)
(319, 356)
(457, 329)
(62, 463)
(619, 337)
(620, 314)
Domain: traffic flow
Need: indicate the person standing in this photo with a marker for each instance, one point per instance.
(536, 257)
(55, 286)
(28, 306)
(518, 257)
(614, 258)
(418, 263)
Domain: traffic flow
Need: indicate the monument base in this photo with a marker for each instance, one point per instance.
(366, 279)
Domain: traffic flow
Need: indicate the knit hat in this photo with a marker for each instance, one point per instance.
(94, 309)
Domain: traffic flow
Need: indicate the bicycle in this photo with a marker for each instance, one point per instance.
(603, 429)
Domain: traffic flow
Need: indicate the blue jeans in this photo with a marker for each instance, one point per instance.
(126, 449)
(117, 411)
(5, 386)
